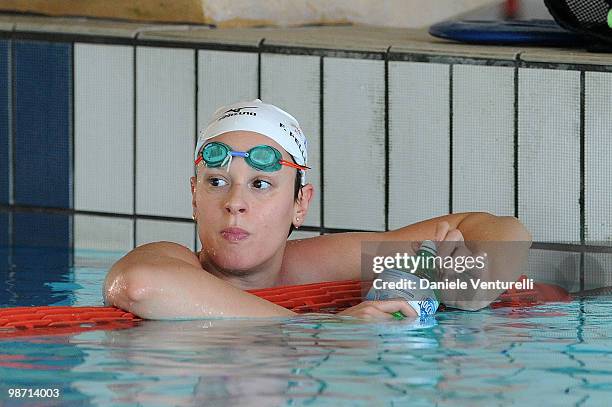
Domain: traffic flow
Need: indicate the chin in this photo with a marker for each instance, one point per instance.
(235, 263)
(242, 255)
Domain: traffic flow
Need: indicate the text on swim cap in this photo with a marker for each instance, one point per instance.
(237, 111)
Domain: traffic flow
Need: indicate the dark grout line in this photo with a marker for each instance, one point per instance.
(516, 137)
(321, 143)
(259, 50)
(72, 157)
(387, 140)
(582, 157)
(582, 173)
(71, 211)
(134, 124)
(450, 137)
(196, 110)
(602, 247)
(13, 121)
(11, 135)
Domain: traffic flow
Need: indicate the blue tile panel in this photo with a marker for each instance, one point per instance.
(42, 123)
(34, 229)
(32, 271)
(41, 254)
(4, 234)
(4, 122)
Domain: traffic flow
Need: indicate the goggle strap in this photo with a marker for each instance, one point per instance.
(227, 160)
(294, 165)
(243, 154)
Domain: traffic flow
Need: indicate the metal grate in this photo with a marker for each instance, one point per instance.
(590, 17)
(591, 12)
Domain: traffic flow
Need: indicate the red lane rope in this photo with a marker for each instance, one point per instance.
(23, 321)
(330, 297)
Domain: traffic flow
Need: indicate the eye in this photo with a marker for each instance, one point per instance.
(261, 184)
(217, 182)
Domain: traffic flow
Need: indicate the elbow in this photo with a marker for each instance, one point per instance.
(517, 230)
(126, 288)
(507, 228)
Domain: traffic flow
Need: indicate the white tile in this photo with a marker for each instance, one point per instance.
(598, 150)
(165, 131)
(148, 231)
(198, 244)
(597, 270)
(483, 139)
(419, 142)
(292, 82)
(549, 153)
(354, 143)
(103, 128)
(224, 77)
(302, 235)
(555, 267)
(103, 233)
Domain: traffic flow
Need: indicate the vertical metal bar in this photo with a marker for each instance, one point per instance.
(450, 136)
(321, 141)
(582, 177)
(134, 127)
(387, 141)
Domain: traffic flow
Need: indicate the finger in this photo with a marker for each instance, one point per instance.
(391, 306)
(460, 248)
(372, 312)
(441, 231)
(453, 239)
(455, 235)
(477, 266)
(482, 265)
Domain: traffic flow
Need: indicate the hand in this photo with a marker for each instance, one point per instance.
(451, 243)
(379, 310)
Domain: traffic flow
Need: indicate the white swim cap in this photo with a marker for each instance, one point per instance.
(262, 118)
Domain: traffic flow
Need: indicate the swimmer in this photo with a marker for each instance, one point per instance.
(250, 191)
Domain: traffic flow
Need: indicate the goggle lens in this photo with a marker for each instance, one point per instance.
(264, 158)
(214, 154)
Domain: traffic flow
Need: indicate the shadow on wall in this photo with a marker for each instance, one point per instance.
(389, 13)
(248, 13)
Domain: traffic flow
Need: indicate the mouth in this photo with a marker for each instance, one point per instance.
(234, 234)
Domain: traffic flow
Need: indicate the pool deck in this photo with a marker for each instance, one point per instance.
(326, 40)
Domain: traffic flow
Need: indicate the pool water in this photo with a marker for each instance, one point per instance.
(554, 354)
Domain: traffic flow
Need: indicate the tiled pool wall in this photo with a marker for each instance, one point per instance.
(97, 136)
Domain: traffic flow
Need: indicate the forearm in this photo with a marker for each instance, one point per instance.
(167, 288)
(503, 238)
(473, 226)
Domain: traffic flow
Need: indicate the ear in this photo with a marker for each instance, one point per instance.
(193, 182)
(301, 205)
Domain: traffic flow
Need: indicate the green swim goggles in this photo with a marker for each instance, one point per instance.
(262, 157)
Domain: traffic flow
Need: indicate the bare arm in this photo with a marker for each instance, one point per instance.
(339, 255)
(164, 280)
(473, 226)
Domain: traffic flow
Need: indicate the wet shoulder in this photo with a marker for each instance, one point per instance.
(173, 250)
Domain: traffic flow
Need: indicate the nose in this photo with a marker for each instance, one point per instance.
(236, 203)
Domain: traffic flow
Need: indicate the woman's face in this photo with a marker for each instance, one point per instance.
(244, 215)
